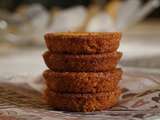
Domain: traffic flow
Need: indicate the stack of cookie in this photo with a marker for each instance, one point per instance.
(82, 73)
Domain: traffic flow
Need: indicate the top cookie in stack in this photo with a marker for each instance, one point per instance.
(83, 43)
(83, 74)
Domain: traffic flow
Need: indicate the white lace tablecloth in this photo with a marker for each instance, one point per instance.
(21, 99)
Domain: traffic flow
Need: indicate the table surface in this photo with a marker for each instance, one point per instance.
(20, 99)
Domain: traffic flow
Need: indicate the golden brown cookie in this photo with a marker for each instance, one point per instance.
(82, 102)
(82, 43)
(82, 63)
(82, 82)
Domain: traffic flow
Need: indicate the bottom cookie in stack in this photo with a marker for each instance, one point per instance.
(82, 102)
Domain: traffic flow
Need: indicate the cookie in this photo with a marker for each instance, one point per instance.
(83, 43)
(82, 63)
(82, 102)
(82, 82)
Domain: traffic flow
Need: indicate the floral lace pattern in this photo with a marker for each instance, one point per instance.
(140, 100)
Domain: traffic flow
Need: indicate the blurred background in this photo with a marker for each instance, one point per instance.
(24, 22)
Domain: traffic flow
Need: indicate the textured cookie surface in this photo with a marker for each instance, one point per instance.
(82, 63)
(82, 43)
(82, 82)
(82, 102)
